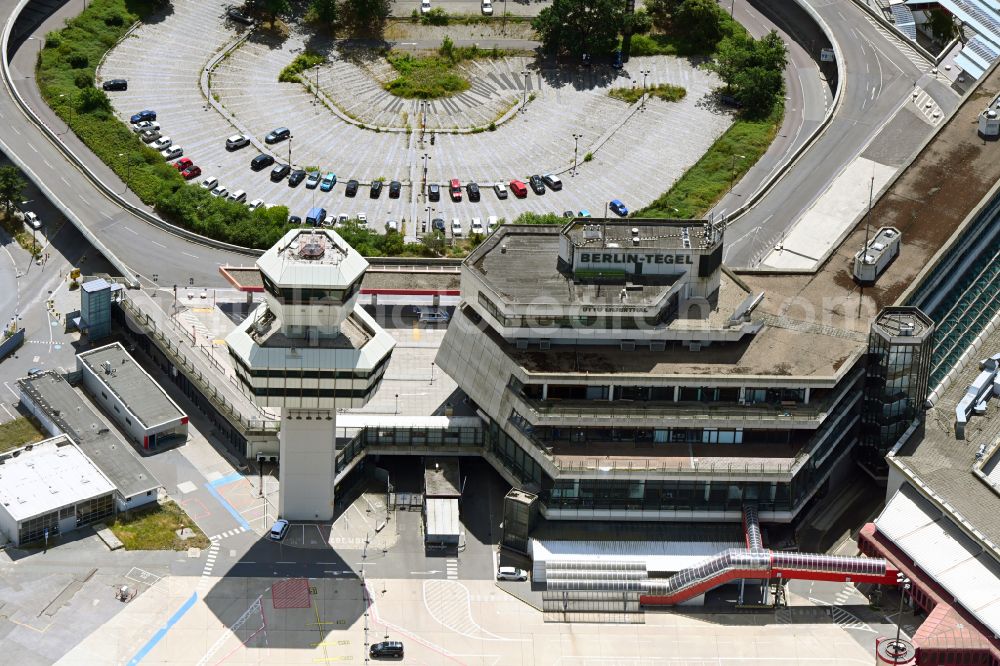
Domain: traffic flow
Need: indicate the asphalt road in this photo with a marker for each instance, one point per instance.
(879, 79)
(143, 248)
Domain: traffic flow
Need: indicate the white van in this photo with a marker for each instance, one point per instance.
(239, 196)
(392, 225)
(456, 228)
(491, 223)
(477, 226)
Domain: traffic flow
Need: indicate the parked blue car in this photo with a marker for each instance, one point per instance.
(618, 207)
(143, 116)
(329, 180)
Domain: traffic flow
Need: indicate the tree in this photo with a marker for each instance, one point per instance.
(539, 218)
(661, 12)
(368, 13)
(93, 99)
(752, 70)
(324, 11)
(700, 20)
(942, 25)
(11, 186)
(435, 242)
(580, 26)
(272, 8)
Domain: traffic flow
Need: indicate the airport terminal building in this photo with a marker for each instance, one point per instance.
(623, 373)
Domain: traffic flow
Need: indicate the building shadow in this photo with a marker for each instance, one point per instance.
(280, 597)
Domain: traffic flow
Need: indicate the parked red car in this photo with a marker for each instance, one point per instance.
(192, 171)
(455, 189)
(183, 163)
(519, 189)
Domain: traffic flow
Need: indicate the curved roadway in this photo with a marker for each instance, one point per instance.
(871, 97)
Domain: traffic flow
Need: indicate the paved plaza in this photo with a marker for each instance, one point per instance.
(637, 151)
(307, 621)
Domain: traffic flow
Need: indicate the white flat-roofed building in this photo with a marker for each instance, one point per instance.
(50, 487)
(136, 402)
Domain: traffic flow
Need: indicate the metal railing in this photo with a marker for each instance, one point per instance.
(205, 384)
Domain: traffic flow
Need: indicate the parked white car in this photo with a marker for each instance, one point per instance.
(425, 6)
(172, 153)
(456, 228)
(512, 573)
(220, 192)
(162, 143)
(491, 223)
(239, 196)
(210, 183)
(487, 8)
(255, 204)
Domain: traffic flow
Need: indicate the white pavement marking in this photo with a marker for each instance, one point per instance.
(450, 604)
(203, 583)
(185, 487)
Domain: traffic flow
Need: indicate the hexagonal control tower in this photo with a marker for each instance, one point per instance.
(309, 349)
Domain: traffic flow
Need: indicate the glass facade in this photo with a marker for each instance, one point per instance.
(95, 309)
(86, 512)
(898, 367)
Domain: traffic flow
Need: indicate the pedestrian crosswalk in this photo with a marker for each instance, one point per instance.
(927, 107)
(194, 327)
(228, 533)
(206, 572)
(452, 569)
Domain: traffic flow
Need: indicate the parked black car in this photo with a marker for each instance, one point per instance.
(352, 188)
(239, 16)
(376, 189)
(473, 190)
(261, 162)
(280, 172)
(115, 84)
(536, 184)
(277, 135)
(387, 649)
(296, 177)
(434, 192)
(394, 189)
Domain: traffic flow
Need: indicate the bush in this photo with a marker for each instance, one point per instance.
(114, 20)
(83, 80)
(52, 40)
(588, 157)
(78, 61)
(664, 91)
(436, 16)
(302, 62)
(424, 78)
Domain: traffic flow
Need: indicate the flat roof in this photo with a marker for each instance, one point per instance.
(663, 235)
(945, 463)
(526, 272)
(74, 416)
(441, 478)
(442, 517)
(41, 478)
(785, 348)
(139, 392)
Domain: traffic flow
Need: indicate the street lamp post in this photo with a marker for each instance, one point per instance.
(424, 188)
(904, 586)
(128, 168)
(576, 146)
(645, 73)
(397, 403)
(427, 227)
(70, 103)
(526, 74)
(732, 8)
(732, 172)
(290, 137)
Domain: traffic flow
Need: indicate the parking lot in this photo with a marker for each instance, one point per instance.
(636, 153)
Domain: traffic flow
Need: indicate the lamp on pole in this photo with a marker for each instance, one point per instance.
(424, 188)
(732, 172)
(39, 40)
(128, 168)
(397, 403)
(576, 147)
(645, 73)
(904, 586)
(732, 8)
(526, 74)
(70, 103)
(290, 137)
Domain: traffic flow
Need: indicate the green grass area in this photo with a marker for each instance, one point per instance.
(664, 91)
(302, 62)
(724, 163)
(154, 529)
(17, 433)
(427, 77)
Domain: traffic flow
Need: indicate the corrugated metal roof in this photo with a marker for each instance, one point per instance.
(659, 556)
(943, 551)
(442, 518)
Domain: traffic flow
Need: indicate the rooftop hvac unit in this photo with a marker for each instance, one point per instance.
(989, 124)
(906, 328)
(591, 232)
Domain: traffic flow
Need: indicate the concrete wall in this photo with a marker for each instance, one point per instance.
(8, 526)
